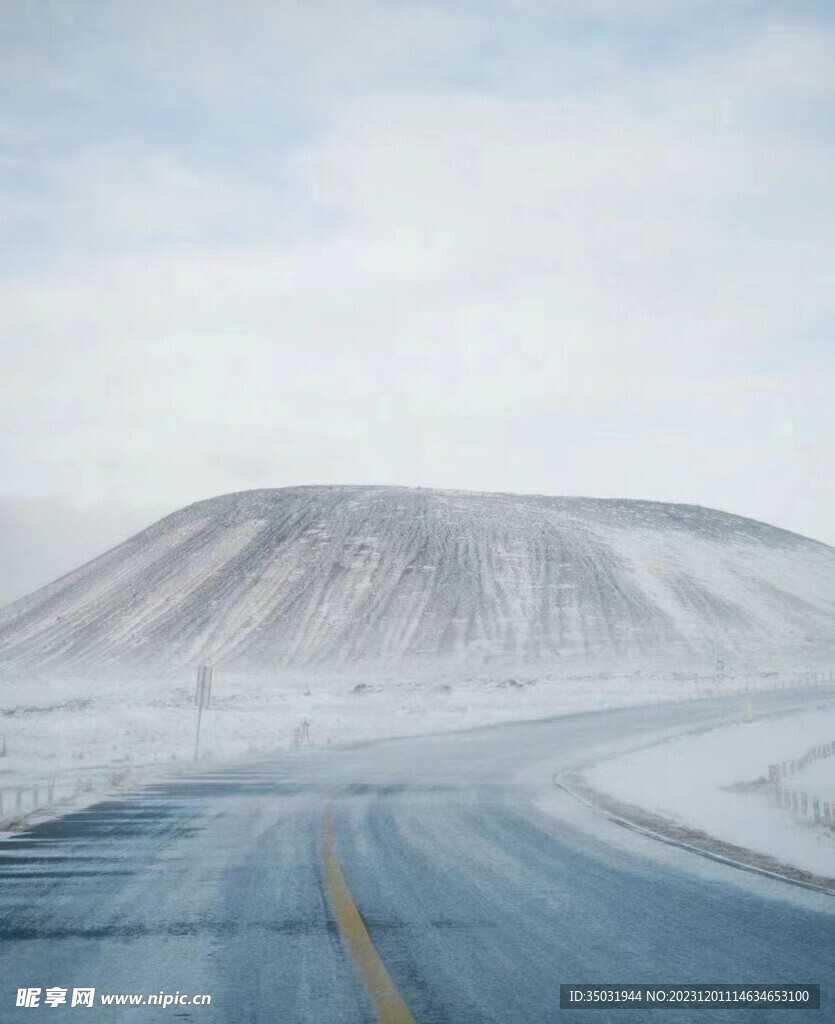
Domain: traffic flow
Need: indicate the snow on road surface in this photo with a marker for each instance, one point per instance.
(478, 905)
(70, 724)
(715, 782)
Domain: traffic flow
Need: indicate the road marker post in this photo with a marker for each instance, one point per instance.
(202, 697)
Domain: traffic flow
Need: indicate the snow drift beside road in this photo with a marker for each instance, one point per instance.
(709, 783)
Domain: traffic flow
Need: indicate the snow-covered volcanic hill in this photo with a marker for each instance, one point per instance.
(327, 576)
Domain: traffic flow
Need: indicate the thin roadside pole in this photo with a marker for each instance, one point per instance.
(197, 737)
(202, 697)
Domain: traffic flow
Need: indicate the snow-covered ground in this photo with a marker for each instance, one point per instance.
(817, 778)
(714, 782)
(74, 723)
(81, 733)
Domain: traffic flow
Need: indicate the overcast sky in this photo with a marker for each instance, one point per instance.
(545, 246)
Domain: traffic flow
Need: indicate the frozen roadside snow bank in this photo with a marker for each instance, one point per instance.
(715, 783)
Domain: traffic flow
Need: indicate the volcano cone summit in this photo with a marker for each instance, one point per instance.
(309, 577)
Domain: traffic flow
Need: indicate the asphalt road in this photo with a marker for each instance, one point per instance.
(475, 903)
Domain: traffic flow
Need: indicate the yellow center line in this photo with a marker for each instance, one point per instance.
(389, 1006)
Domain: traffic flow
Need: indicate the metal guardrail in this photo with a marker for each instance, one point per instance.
(21, 797)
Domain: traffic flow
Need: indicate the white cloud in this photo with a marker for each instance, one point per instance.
(43, 538)
(609, 290)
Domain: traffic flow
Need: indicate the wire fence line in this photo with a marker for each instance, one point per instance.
(798, 801)
(22, 796)
(721, 685)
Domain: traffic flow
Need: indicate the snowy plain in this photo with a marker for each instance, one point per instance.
(81, 735)
(51, 724)
(715, 782)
